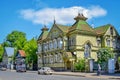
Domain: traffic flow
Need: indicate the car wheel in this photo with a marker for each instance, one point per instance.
(45, 73)
(38, 72)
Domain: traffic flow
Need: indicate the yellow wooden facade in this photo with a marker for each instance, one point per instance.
(62, 45)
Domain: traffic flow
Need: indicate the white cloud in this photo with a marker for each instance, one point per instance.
(62, 15)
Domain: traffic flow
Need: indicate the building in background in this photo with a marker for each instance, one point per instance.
(20, 60)
(7, 57)
(62, 45)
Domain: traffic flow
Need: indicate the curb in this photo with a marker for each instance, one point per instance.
(88, 76)
(68, 74)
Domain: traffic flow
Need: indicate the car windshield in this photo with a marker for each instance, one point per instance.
(46, 68)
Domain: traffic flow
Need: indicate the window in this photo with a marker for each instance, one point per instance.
(108, 42)
(118, 44)
(111, 31)
(39, 48)
(72, 41)
(55, 43)
(47, 46)
(55, 57)
(87, 50)
(98, 41)
(59, 57)
(60, 43)
(69, 41)
(51, 45)
(43, 46)
(51, 59)
(114, 43)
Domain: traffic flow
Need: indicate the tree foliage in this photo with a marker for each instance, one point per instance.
(18, 40)
(15, 39)
(104, 54)
(80, 65)
(30, 48)
(1, 52)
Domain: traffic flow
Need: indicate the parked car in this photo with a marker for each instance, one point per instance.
(20, 68)
(3, 68)
(45, 70)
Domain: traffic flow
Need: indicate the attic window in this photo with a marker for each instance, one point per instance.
(111, 31)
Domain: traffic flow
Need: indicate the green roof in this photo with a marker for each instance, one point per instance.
(83, 27)
(43, 35)
(63, 28)
(102, 29)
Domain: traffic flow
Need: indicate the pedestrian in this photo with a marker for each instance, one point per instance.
(99, 70)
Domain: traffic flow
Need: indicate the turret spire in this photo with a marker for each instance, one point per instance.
(44, 28)
(80, 17)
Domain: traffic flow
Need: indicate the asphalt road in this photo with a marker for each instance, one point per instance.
(12, 75)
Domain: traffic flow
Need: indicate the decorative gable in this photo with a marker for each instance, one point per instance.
(54, 32)
(111, 31)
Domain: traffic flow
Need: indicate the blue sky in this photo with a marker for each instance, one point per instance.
(29, 16)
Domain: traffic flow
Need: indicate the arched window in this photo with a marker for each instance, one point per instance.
(87, 50)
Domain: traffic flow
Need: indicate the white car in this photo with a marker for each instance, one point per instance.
(45, 70)
(3, 68)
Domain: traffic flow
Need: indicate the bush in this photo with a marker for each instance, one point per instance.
(80, 65)
(118, 59)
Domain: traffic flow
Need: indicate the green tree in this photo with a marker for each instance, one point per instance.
(30, 48)
(1, 52)
(15, 39)
(104, 54)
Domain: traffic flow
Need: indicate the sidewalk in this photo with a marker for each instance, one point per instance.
(91, 75)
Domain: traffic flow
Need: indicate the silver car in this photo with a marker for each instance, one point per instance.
(45, 70)
(3, 68)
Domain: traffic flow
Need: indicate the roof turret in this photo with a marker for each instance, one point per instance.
(80, 17)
